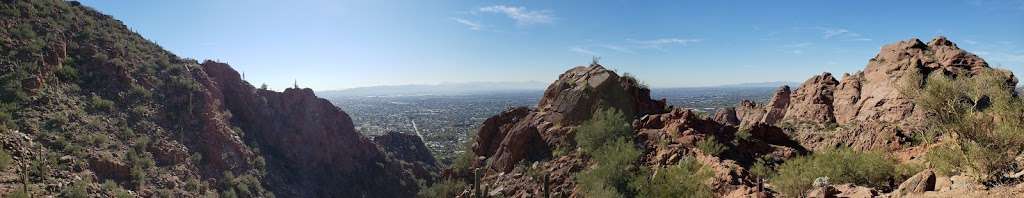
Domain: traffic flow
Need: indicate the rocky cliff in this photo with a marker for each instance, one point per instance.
(86, 101)
(309, 143)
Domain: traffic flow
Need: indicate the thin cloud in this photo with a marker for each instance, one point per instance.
(520, 14)
(841, 33)
(470, 24)
(619, 48)
(582, 50)
(799, 45)
(661, 43)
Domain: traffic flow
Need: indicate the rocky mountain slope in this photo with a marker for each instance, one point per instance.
(91, 108)
(526, 152)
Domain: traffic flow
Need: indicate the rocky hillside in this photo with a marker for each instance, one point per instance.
(90, 108)
(883, 118)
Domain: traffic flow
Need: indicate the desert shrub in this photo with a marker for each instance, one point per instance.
(114, 190)
(873, 169)
(686, 179)
(980, 119)
(18, 193)
(604, 127)
(67, 73)
(5, 159)
(612, 175)
(443, 189)
(97, 103)
(77, 190)
(709, 145)
(763, 168)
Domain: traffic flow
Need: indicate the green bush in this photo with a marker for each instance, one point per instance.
(980, 120)
(604, 127)
(97, 103)
(709, 145)
(77, 190)
(873, 169)
(613, 174)
(687, 179)
(5, 159)
(443, 189)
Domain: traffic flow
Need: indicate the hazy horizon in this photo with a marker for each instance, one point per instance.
(330, 45)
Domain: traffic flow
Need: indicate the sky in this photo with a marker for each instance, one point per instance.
(330, 44)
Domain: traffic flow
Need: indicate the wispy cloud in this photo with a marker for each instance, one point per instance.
(618, 48)
(841, 34)
(661, 43)
(520, 14)
(799, 45)
(997, 4)
(582, 50)
(631, 46)
(470, 24)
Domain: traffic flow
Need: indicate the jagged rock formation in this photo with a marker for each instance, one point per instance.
(727, 116)
(522, 134)
(776, 109)
(104, 104)
(865, 110)
(812, 102)
(310, 144)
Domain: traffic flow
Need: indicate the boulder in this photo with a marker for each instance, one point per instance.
(919, 183)
(727, 116)
(812, 102)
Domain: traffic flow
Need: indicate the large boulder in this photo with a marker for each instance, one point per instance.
(812, 102)
(919, 183)
(727, 116)
(776, 109)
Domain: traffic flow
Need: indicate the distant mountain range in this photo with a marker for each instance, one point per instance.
(471, 88)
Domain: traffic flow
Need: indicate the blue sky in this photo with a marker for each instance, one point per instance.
(342, 44)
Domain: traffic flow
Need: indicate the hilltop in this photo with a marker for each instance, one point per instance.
(90, 108)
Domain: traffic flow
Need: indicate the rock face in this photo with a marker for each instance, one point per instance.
(749, 113)
(812, 102)
(311, 146)
(727, 116)
(874, 94)
(777, 107)
(409, 150)
(871, 108)
(523, 134)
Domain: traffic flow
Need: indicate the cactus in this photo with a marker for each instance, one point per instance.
(476, 183)
(547, 190)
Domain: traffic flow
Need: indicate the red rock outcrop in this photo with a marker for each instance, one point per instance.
(727, 116)
(874, 94)
(812, 102)
(310, 145)
(777, 107)
(521, 134)
(749, 113)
